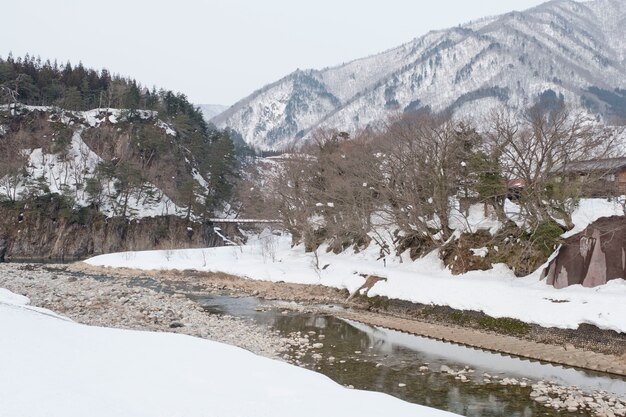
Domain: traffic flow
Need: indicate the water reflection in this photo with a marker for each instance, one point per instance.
(494, 363)
(379, 359)
(382, 365)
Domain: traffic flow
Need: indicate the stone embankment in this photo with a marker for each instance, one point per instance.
(565, 355)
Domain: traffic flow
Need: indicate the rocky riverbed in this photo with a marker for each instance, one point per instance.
(570, 399)
(586, 338)
(112, 302)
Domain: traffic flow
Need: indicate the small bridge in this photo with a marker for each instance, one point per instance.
(216, 220)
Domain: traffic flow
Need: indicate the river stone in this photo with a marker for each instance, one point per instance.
(113, 303)
(445, 370)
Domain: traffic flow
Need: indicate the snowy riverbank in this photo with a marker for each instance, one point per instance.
(496, 292)
(54, 366)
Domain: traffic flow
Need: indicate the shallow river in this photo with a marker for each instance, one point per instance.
(404, 365)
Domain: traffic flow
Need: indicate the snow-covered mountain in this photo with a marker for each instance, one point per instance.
(209, 111)
(572, 48)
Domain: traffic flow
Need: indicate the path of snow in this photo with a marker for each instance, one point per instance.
(54, 367)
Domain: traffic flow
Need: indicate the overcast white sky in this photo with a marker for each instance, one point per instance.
(218, 51)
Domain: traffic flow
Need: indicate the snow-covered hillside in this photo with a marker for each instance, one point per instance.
(575, 49)
(67, 170)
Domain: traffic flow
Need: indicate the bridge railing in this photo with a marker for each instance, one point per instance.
(217, 220)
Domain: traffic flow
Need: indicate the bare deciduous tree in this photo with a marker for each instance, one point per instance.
(422, 158)
(12, 163)
(537, 151)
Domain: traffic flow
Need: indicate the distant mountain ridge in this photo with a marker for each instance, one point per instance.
(209, 111)
(571, 48)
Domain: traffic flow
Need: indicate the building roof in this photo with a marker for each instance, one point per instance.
(607, 165)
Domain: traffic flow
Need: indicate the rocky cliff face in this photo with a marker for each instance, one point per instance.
(564, 47)
(51, 233)
(77, 184)
(3, 248)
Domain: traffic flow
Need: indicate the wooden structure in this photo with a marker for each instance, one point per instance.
(608, 175)
(592, 257)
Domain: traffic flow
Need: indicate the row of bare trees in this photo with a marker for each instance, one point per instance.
(12, 162)
(420, 170)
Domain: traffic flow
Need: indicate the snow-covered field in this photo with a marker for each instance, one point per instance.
(496, 292)
(51, 366)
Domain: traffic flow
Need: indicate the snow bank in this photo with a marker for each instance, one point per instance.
(52, 367)
(591, 209)
(474, 220)
(497, 292)
(7, 297)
